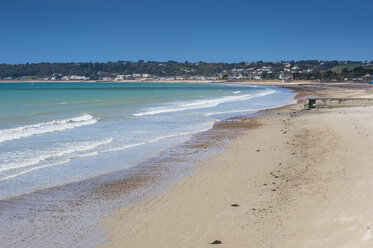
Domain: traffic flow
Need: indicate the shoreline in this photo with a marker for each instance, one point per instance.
(120, 185)
(194, 135)
(111, 189)
(196, 210)
(255, 82)
(122, 81)
(236, 125)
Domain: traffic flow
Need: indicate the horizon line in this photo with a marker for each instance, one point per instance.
(178, 61)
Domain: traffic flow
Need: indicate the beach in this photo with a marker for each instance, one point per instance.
(289, 178)
(186, 124)
(71, 153)
(267, 174)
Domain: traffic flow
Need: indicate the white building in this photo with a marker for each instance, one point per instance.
(76, 77)
(119, 78)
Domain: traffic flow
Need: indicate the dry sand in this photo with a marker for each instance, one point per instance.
(299, 179)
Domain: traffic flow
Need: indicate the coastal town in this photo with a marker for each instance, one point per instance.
(315, 70)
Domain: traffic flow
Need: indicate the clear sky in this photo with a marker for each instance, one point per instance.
(193, 30)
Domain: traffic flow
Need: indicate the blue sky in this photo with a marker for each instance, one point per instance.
(203, 30)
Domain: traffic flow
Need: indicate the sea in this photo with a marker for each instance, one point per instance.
(52, 134)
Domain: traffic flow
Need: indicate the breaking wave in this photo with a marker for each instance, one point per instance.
(199, 104)
(45, 127)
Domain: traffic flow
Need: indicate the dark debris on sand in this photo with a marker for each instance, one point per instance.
(216, 242)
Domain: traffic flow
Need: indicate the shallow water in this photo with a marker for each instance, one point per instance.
(57, 133)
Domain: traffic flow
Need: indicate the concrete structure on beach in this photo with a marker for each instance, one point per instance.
(337, 102)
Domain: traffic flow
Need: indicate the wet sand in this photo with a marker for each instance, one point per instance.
(75, 209)
(288, 178)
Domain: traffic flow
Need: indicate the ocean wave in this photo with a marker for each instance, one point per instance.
(22, 159)
(232, 111)
(178, 134)
(236, 92)
(199, 104)
(119, 148)
(31, 169)
(46, 127)
(77, 150)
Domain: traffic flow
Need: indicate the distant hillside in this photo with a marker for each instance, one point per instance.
(152, 70)
(349, 66)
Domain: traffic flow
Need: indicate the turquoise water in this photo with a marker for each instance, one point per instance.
(56, 133)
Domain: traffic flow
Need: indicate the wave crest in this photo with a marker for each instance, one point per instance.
(45, 127)
(199, 104)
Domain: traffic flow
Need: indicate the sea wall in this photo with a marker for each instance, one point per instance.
(337, 102)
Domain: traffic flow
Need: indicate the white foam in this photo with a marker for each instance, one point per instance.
(45, 127)
(32, 169)
(178, 134)
(232, 111)
(28, 166)
(198, 104)
(236, 92)
(68, 159)
(18, 160)
(119, 148)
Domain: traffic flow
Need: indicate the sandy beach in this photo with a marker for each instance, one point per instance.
(291, 178)
(186, 124)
